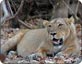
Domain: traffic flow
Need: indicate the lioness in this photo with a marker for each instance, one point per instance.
(59, 36)
(63, 36)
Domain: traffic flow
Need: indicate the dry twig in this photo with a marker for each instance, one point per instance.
(24, 24)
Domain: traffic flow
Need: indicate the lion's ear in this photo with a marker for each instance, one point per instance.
(45, 22)
(71, 20)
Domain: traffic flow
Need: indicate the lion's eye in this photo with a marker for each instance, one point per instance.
(60, 25)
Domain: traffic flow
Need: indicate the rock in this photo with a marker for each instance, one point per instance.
(12, 55)
(49, 61)
(22, 61)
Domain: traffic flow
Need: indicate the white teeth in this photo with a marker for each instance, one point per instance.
(58, 41)
(55, 42)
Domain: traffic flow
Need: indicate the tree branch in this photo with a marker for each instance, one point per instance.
(77, 8)
(5, 10)
(20, 21)
(20, 7)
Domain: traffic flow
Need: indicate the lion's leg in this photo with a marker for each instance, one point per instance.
(38, 55)
(12, 41)
(70, 51)
(42, 52)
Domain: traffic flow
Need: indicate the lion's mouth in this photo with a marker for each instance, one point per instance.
(57, 42)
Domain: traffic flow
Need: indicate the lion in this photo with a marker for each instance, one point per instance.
(58, 36)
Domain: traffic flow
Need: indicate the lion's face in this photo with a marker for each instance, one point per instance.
(58, 30)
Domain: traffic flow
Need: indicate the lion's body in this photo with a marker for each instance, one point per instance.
(39, 39)
(34, 40)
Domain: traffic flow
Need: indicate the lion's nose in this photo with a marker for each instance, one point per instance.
(53, 34)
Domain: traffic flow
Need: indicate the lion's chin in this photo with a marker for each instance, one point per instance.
(57, 42)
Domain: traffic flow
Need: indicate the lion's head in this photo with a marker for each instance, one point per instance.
(59, 29)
